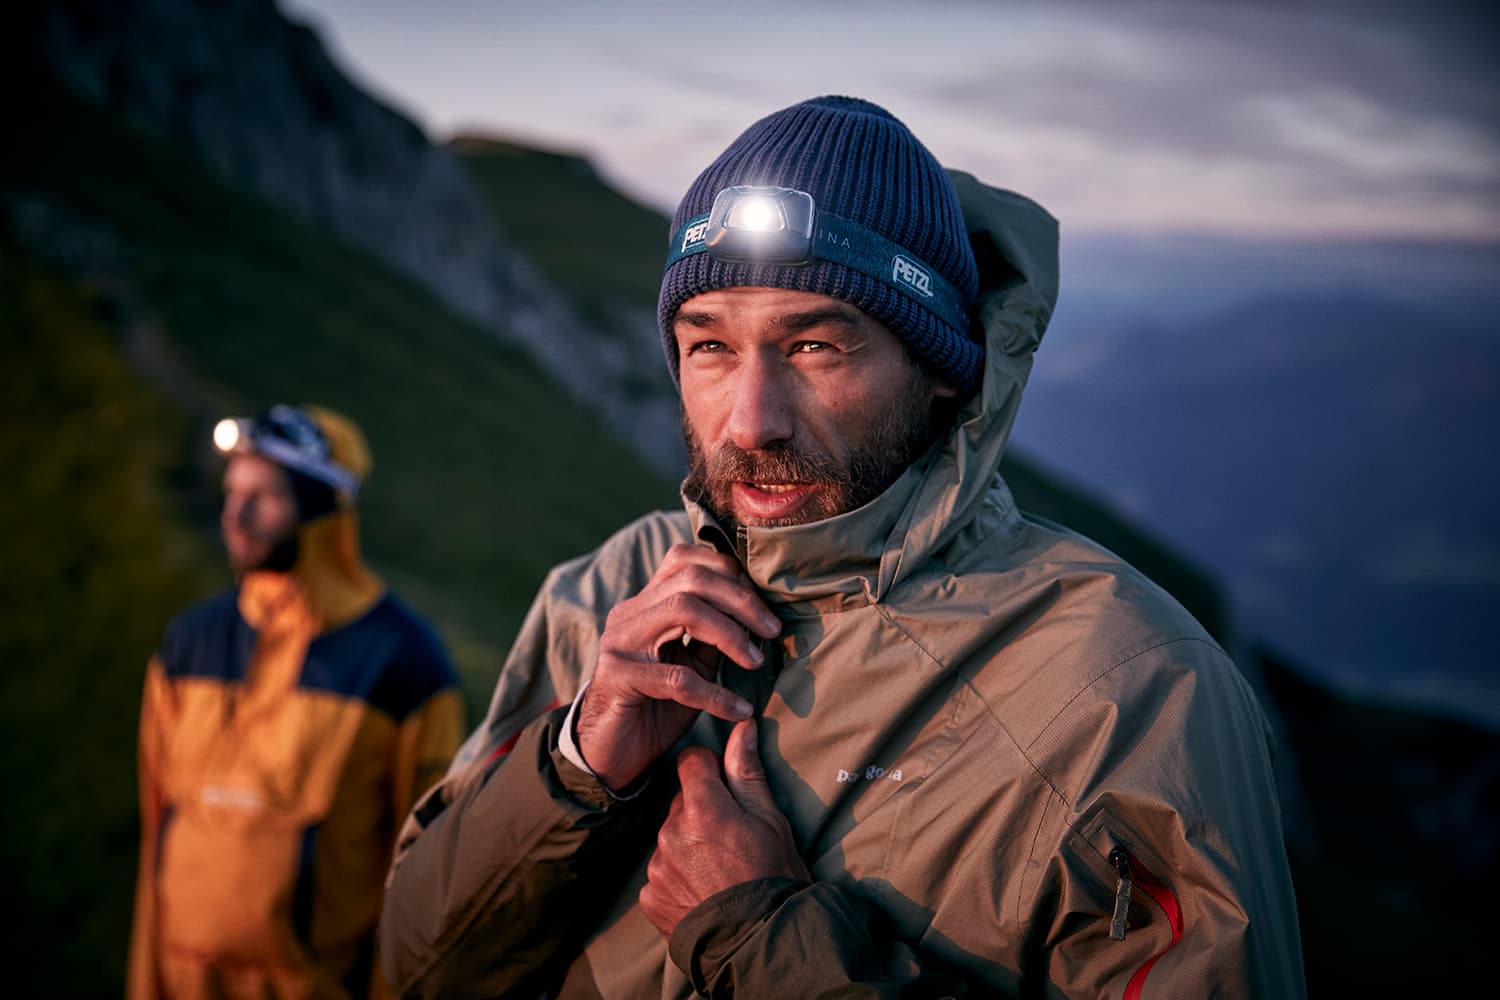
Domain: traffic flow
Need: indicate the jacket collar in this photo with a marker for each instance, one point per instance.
(328, 587)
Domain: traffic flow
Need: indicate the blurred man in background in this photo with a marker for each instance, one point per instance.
(850, 724)
(287, 726)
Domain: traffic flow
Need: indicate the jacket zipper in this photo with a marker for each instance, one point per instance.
(1131, 874)
(1123, 885)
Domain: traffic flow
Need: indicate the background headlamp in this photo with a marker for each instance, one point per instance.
(289, 437)
(753, 224)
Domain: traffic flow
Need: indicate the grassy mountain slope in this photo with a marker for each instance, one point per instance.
(594, 243)
(485, 476)
(485, 473)
(98, 555)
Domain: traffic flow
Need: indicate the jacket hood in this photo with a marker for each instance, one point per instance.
(859, 556)
(329, 586)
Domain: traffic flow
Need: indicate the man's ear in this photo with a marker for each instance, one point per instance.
(942, 388)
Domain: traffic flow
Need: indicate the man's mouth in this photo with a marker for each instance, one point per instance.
(773, 503)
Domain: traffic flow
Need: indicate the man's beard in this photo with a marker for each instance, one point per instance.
(867, 471)
(279, 558)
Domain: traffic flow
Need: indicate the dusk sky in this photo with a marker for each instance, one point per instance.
(1297, 119)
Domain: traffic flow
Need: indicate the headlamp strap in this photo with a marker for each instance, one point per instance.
(287, 454)
(848, 243)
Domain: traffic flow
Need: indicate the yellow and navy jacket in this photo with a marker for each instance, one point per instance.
(287, 726)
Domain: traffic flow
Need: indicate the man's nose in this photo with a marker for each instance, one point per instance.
(237, 512)
(762, 410)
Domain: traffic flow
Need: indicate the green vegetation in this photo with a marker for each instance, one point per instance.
(598, 246)
(485, 477)
(98, 556)
(486, 474)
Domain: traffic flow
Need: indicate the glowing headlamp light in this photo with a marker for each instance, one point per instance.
(761, 224)
(289, 437)
(229, 432)
(752, 224)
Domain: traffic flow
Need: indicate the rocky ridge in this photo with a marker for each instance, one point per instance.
(257, 99)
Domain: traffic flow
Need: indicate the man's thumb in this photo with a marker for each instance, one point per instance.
(743, 771)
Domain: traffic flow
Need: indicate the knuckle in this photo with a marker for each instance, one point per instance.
(678, 679)
(617, 615)
(693, 577)
(679, 602)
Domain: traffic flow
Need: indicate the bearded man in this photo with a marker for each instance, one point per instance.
(850, 724)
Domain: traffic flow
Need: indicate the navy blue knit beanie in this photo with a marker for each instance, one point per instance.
(860, 163)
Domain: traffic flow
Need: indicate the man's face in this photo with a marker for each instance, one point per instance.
(796, 406)
(259, 520)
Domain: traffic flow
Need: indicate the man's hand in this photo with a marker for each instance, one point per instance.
(721, 831)
(657, 657)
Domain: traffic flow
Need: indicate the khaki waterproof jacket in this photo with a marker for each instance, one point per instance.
(1013, 765)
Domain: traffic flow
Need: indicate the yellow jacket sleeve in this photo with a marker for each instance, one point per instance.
(141, 981)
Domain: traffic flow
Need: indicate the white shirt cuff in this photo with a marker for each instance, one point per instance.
(567, 745)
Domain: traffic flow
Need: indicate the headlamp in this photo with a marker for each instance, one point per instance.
(755, 224)
(289, 437)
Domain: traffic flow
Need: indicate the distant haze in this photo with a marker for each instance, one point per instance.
(1314, 424)
(1306, 119)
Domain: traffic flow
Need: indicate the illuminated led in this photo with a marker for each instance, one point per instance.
(756, 214)
(758, 224)
(226, 434)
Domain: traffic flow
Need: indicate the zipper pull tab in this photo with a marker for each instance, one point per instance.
(1123, 886)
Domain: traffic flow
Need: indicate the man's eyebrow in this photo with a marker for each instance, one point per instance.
(791, 322)
(699, 319)
(813, 318)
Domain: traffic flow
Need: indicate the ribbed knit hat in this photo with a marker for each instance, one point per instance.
(861, 164)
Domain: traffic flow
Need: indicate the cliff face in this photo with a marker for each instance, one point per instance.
(257, 100)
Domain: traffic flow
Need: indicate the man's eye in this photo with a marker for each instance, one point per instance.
(812, 346)
(706, 347)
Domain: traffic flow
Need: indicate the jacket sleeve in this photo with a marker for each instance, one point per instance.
(504, 867)
(425, 746)
(428, 739)
(1174, 826)
(496, 894)
(141, 982)
(755, 938)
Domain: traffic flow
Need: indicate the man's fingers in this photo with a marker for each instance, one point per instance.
(744, 773)
(681, 684)
(683, 614)
(698, 772)
(719, 580)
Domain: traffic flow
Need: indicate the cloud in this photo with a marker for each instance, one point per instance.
(1327, 117)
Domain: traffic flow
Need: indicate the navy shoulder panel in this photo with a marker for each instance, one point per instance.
(390, 658)
(209, 639)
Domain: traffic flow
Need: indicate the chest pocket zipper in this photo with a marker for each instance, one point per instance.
(1123, 886)
(1130, 875)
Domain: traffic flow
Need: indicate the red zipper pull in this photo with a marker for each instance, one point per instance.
(1123, 886)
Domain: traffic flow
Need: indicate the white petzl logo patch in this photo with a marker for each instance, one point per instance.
(693, 234)
(908, 272)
